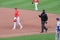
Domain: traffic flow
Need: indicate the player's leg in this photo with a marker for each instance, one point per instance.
(58, 36)
(36, 8)
(18, 21)
(14, 27)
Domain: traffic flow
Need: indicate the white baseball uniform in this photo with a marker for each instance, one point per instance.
(58, 30)
(17, 20)
(36, 4)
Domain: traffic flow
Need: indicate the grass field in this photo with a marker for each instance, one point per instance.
(52, 6)
(33, 37)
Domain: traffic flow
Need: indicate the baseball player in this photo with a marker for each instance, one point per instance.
(36, 4)
(16, 19)
(58, 29)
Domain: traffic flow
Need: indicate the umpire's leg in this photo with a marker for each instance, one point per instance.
(42, 26)
(45, 27)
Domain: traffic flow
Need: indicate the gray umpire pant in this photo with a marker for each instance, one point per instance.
(43, 26)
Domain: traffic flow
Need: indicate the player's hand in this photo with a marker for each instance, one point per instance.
(32, 2)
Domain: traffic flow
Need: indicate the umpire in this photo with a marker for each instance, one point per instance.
(44, 19)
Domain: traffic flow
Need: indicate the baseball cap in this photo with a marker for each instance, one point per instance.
(57, 19)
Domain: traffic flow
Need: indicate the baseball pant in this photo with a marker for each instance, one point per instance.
(36, 6)
(57, 35)
(17, 22)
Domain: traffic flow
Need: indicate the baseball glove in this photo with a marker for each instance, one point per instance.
(15, 20)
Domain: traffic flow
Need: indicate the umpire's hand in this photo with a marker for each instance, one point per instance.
(46, 22)
(39, 15)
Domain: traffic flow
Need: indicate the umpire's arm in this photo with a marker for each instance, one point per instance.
(39, 15)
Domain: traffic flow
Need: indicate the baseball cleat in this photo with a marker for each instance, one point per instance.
(13, 28)
(21, 28)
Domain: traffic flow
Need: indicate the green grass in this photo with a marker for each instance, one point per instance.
(52, 6)
(33, 37)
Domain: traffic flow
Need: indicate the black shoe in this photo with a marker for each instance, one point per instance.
(41, 32)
